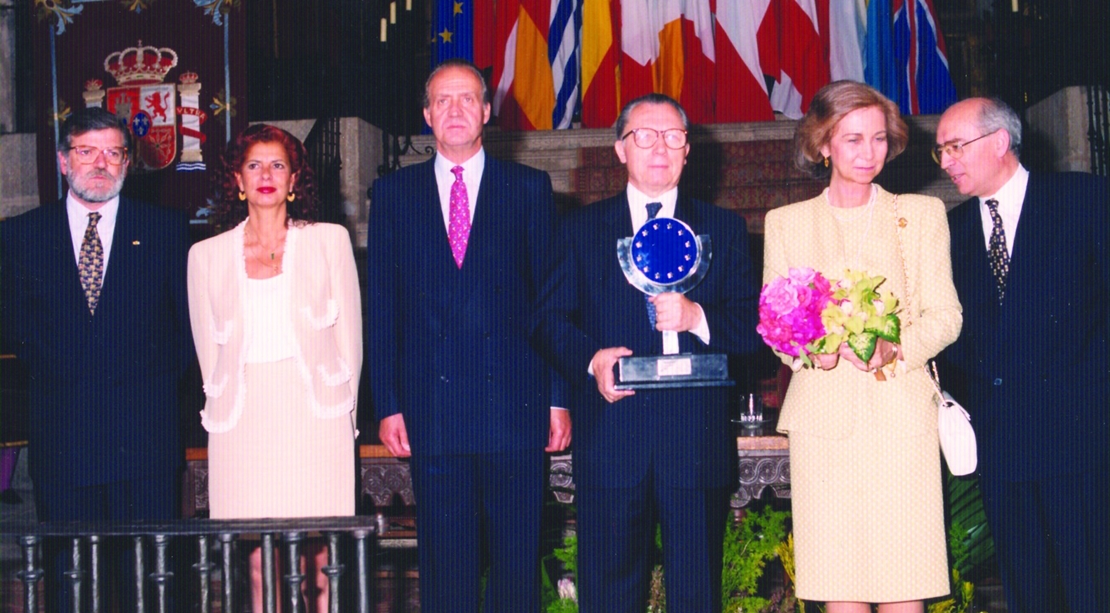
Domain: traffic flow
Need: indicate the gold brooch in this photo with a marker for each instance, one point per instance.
(902, 222)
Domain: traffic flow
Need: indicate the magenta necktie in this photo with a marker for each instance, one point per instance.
(458, 229)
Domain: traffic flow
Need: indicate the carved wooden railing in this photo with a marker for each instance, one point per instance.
(763, 462)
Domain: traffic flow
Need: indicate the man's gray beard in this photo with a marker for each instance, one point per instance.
(114, 191)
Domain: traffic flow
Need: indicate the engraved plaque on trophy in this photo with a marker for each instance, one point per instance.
(666, 256)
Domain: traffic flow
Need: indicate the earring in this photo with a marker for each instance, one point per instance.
(242, 196)
(291, 197)
(826, 162)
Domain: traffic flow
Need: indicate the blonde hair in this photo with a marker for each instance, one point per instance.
(831, 103)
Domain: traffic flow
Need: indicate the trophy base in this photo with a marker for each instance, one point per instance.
(673, 371)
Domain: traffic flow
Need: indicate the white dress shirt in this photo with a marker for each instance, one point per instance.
(638, 201)
(79, 222)
(472, 177)
(1010, 198)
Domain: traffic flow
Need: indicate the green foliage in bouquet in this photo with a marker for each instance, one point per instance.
(860, 315)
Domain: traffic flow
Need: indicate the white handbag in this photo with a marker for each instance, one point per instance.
(957, 437)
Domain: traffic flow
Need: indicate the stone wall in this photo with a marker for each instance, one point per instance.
(1057, 133)
(19, 188)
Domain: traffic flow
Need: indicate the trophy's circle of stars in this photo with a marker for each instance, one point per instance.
(679, 269)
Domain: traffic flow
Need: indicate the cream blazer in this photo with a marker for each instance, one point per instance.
(326, 320)
(805, 234)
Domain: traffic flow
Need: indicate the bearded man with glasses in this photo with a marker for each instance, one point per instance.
(1031, 265)
(651, 455)
(94, 302)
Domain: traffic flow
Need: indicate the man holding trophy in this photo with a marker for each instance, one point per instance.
(646, 287)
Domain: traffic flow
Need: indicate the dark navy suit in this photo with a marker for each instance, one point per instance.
(104, 412)
(1034, 372)
(448, 349)
(668, 450)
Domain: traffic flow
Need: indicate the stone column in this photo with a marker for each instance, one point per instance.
(1059, 123)
(7, 66)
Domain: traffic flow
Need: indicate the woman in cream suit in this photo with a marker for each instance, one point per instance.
(277, 322)
(865, 460)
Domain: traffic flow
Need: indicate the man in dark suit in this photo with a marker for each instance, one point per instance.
(455, 249)
(1031, 264)
(647, 456)
(94, 303)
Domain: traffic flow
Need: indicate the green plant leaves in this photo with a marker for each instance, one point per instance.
(886, 327)
(863, 344)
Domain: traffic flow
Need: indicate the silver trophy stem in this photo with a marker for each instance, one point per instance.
(670, 342)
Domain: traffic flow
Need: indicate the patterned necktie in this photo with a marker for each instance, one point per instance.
(458, 229)
(90, 266)
(999, 257)
(652, 210)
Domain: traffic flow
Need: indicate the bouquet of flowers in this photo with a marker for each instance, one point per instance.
(790, 311)
(804, 313)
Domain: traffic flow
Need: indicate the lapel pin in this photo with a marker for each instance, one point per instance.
(134, 242)
(902, 222)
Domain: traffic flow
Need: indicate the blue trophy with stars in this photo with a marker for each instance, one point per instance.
(666, 256)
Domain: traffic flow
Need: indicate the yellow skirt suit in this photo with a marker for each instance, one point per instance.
(865, 460)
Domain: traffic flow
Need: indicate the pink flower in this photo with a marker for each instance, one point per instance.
(790, 310)
(780, 295)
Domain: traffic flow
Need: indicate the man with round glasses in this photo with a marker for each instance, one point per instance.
(649, 455)
(1031, 265)
(93, 300)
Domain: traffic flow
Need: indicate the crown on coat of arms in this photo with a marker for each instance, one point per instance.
(140, 65)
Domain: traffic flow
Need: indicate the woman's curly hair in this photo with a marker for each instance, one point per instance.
(228, 210)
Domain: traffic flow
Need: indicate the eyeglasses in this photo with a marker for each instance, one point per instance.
(673, 138)
(955, 150)
(87, 155)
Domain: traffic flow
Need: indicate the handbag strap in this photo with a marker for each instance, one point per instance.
(900, 222)
(930, 365)
(934, 378)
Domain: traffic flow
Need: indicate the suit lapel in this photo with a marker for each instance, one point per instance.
(975, 282)
(617, 224)
(625, 297)
(686, 211)
(426, 236)
(487, 229)
(59, 245)
(1035, 226)
(120, 272)
(973, 251)
(118, 259)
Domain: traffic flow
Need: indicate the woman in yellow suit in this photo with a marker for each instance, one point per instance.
(864, 455)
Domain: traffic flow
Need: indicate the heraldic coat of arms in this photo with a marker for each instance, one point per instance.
(142, 98)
